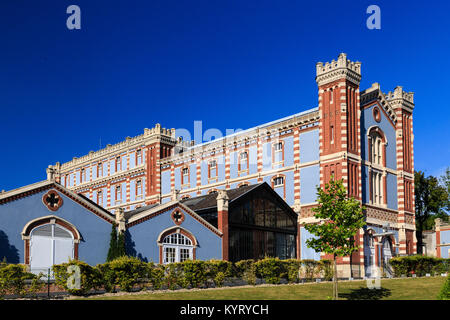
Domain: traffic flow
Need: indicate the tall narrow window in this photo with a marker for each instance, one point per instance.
(100, 198)
(185, 176)
(213, 169)
(118, 164)
(331, 95)
(138, 189)
(332, 134)
(83, 176)
(99, 170)
(118, 194)
(138, 157)
(243, 161)
(278, 153)
(377, 188)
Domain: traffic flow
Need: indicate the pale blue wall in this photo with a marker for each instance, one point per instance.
(253, 156)
(305, 252)
(445, 239)
(145, 235)
(309, 180)
(193, 175)
(309, 146)
(165, 181)
(391, 183)
(132, 160)
(15, 215)
(288, 151)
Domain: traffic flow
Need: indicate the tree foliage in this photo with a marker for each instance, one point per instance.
(340, 218)
(430, 200)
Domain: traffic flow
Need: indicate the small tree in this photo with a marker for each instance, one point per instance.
(112, 252)
(340, 219)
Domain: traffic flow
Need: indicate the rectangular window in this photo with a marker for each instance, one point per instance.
(277, 182)
(138, 157)
(138, 189)
(332, 134)
(185, 176)
(83, 176)
(243, 161)
(213, 169)
(118, 164)
(99, 170)
(100, 198)
(169, 255)
(118, 194)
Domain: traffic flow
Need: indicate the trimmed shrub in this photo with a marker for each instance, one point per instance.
(155, 274)
(310, 269)
(66, 275)
(246, 270)
(419, 265)
(193, 273)
(124, 272)
(174, 275)
(270, 269)
(218, 271)
(13, 278)
(292, 270)
(444, 294)
(326, 269)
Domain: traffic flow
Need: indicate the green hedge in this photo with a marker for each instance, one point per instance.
(128, 273)
(444, 294)
(14, 278)
(419, 265)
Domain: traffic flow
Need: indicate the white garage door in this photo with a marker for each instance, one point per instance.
(50, 244)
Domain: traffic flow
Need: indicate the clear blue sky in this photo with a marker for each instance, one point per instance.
(230, 63)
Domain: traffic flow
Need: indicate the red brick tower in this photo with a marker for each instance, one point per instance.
(339, 135)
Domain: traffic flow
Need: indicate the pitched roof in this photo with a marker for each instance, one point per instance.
(209, 201)
(45, 185)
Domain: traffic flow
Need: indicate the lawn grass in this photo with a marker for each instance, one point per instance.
(391, 289)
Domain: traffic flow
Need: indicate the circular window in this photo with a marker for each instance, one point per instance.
(377, 114)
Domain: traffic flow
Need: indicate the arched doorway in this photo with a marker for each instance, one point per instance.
(49, 241)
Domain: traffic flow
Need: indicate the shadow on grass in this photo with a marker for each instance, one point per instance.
(366, 294)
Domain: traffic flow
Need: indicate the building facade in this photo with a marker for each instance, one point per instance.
(364, 137)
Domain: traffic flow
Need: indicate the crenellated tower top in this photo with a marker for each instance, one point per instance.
(336, 70)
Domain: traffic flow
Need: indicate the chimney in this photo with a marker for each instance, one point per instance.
(222, 221)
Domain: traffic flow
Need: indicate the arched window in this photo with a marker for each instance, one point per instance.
(377, 144)
(177, 248)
